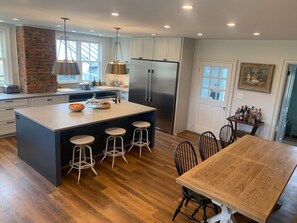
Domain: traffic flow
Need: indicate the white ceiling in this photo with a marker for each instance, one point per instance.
(274, 19)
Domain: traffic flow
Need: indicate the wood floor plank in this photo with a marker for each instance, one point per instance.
(142, 190)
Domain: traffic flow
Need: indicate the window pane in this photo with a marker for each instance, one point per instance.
(214, 95)
(71, 50)
(205, 82)
(204, 93)
(1, 45)
(94, 52)
(85, 49)
(90, 70)
(64, 78)
(1, 72)
(215, 71)
(213, 83)
(224, 72)
(206, 70)
(221, 96)
(222, 84)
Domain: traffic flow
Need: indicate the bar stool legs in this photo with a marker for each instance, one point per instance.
(141, 126)
(114, 150)
(83, 160)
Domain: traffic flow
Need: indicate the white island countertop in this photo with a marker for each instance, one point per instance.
(59, 117)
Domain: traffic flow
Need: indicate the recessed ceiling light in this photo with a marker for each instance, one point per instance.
(100, 34)
(73, 31)
(256, 34)
(59, 26)
(231, 24)
(1, 20)
(15, 19)
(188, 7)
(166, 26)
(153, 34)
(92, 31)
(115, 14)
(200, 34)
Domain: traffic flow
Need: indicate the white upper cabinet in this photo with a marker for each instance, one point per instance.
(123, 53)
(167, 48)
(174, 48)
(156, 48)
(160, 48)
(142, 48)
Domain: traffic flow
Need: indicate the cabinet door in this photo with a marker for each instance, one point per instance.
(48, 100)
(148, 44)
(39, 101)
(58, 99)
(173, 48)
(137, 48)
(160, 48)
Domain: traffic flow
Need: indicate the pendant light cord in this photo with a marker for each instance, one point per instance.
(65, 38)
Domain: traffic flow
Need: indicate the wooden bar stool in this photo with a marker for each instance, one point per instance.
(82, 161)
(114, 150)
(140, 141)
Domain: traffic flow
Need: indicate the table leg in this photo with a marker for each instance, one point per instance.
(226, 216)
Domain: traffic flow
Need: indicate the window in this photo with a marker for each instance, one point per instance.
(89, 58)
(214, 81)
(5, 50)
(91, 55)
(2, 77)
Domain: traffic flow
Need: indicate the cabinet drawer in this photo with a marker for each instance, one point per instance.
(13, 103)
(7, 127)
(6, 114)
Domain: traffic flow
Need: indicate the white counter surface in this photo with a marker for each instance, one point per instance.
(4, 96)
(59, 117)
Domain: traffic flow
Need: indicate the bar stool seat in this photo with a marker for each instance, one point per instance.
(115, 134)
(140, 141)
(82, 160)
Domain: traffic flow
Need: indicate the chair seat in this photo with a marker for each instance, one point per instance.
(141, 124)
(115, 131)
(82, 139)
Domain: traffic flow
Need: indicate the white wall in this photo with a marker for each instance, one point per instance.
(252, 51)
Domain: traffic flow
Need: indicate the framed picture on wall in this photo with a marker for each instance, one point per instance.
(256, 77)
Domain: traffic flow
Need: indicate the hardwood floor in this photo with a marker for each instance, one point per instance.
(144, 190)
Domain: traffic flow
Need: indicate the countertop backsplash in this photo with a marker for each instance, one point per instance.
(111, 78)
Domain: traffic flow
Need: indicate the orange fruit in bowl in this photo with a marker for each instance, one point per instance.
(77, 107)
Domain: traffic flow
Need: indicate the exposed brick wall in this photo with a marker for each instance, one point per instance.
(36, 55)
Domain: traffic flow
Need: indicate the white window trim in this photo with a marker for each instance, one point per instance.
(9, 48)
(85, 38)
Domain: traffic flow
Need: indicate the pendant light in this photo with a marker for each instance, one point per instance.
(115, 66)
(65, 67)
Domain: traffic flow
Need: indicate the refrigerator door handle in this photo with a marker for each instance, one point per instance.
(150, 86)
(146, 85)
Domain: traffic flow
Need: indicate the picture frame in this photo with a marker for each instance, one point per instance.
(256, 77)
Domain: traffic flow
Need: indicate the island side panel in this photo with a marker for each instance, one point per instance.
(40, 148)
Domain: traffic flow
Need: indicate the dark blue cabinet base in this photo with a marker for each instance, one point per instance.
(47, 151)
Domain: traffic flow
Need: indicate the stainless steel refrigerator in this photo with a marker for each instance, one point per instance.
(154, 83)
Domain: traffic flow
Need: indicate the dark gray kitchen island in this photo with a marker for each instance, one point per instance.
(43, 133)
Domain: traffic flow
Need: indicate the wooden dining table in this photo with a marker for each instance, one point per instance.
(247, 177)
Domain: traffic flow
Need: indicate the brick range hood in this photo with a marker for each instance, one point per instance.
(36, 50)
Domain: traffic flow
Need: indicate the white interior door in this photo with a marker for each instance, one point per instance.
(210, 101)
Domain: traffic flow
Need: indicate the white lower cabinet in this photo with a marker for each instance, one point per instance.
(41, 101)
(7, 114)
(124, 95)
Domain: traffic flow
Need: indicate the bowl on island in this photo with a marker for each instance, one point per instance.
(76, 107)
